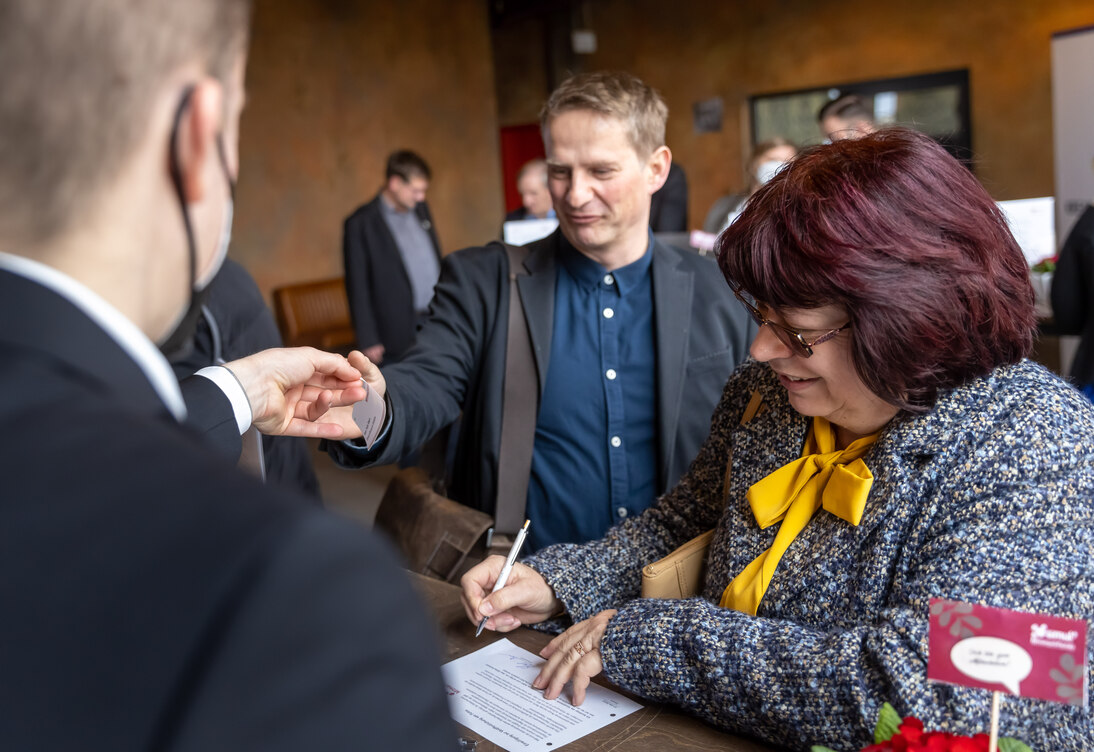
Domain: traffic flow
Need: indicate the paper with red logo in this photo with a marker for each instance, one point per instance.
(1032, 655)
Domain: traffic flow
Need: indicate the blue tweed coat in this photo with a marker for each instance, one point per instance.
(988, 498)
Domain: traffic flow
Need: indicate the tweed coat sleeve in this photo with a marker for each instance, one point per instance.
(986, 499)
(615, 562)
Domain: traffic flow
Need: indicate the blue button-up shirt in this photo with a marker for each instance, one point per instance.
(595, 456)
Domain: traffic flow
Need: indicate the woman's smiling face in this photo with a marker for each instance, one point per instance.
(825, 384)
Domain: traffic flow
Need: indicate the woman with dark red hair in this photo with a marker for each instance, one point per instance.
(888, 443)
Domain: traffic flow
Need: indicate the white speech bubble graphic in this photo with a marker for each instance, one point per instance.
(991, 659)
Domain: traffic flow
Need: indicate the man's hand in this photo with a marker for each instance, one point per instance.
(375, 353)
(364, 363)
(292, 390)
(525, 599)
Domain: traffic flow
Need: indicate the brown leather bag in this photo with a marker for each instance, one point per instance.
(681, 573)
(434, 533)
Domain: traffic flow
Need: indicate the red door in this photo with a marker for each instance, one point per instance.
(519, 144)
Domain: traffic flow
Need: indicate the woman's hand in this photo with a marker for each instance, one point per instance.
(573, 655)
(525, 599)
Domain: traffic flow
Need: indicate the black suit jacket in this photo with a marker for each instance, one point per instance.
(154, 598)
(458, 362)
(1072, 290)
(381, 301)
(669, 205)
(243, 325)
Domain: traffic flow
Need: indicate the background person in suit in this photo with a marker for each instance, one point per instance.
(235, 323)
(163, 599)
(767, 158)
(1072, 291)
(848, 116)
(392, 260)
(535, 198)
(669, 205)
(633, 340)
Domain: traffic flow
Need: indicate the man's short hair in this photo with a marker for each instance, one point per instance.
(534, 165)
(406, 165)
(612, 94)
(78, 81)
(850, 107)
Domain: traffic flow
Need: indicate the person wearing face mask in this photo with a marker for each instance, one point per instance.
(155, 597)
(767, 158)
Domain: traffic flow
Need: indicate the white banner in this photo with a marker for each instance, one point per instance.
(1073, 124)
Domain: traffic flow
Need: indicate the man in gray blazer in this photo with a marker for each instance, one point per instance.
(632, 340)
(392, 259)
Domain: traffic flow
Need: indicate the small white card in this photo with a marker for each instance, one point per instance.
(369, 415)
(490, 692)
(524, 231)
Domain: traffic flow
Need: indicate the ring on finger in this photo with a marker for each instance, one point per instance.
(580, 649)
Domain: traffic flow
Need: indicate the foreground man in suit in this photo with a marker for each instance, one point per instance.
(632, 340)
(153, 596)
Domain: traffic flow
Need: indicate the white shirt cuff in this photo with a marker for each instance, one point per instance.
(233, 390)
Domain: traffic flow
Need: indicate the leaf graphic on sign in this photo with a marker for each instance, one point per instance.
(958, 616)
(1069, 682)
(1059, 676)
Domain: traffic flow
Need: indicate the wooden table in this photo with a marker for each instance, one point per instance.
(655, 727)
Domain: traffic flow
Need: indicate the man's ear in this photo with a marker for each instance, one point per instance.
(657, 168)
(197, 137)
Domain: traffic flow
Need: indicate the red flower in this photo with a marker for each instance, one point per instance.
(911, 730)
(911, 737)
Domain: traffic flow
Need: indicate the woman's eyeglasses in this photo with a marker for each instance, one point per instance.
(792, 338)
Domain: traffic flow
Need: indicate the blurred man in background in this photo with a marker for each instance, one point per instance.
(392, 260)
(848, 116)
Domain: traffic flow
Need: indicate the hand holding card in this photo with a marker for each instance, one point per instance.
(369, 415)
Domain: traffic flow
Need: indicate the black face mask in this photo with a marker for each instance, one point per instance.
(180, 340)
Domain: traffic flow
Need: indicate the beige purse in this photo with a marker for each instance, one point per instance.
(680, 574)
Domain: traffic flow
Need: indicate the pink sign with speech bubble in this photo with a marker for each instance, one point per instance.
(1031, 655)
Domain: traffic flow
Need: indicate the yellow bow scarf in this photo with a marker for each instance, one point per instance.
(837, 480)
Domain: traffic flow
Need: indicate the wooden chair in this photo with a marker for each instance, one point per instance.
(315, 314)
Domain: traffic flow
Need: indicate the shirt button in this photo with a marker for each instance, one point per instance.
(622, 511)
(610, 373)
(609, 279)
(608, 313)
(617, 442)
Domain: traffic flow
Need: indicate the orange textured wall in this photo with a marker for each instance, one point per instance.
(335, 85)
(694, 51)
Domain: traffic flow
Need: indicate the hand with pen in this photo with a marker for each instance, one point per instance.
(524, 598)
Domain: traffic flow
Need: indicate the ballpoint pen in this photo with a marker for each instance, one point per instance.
(509, 560)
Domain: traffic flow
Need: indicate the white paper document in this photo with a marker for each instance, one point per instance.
(490, 692)
(369, 415)
(524, 231)
(1032, 222)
